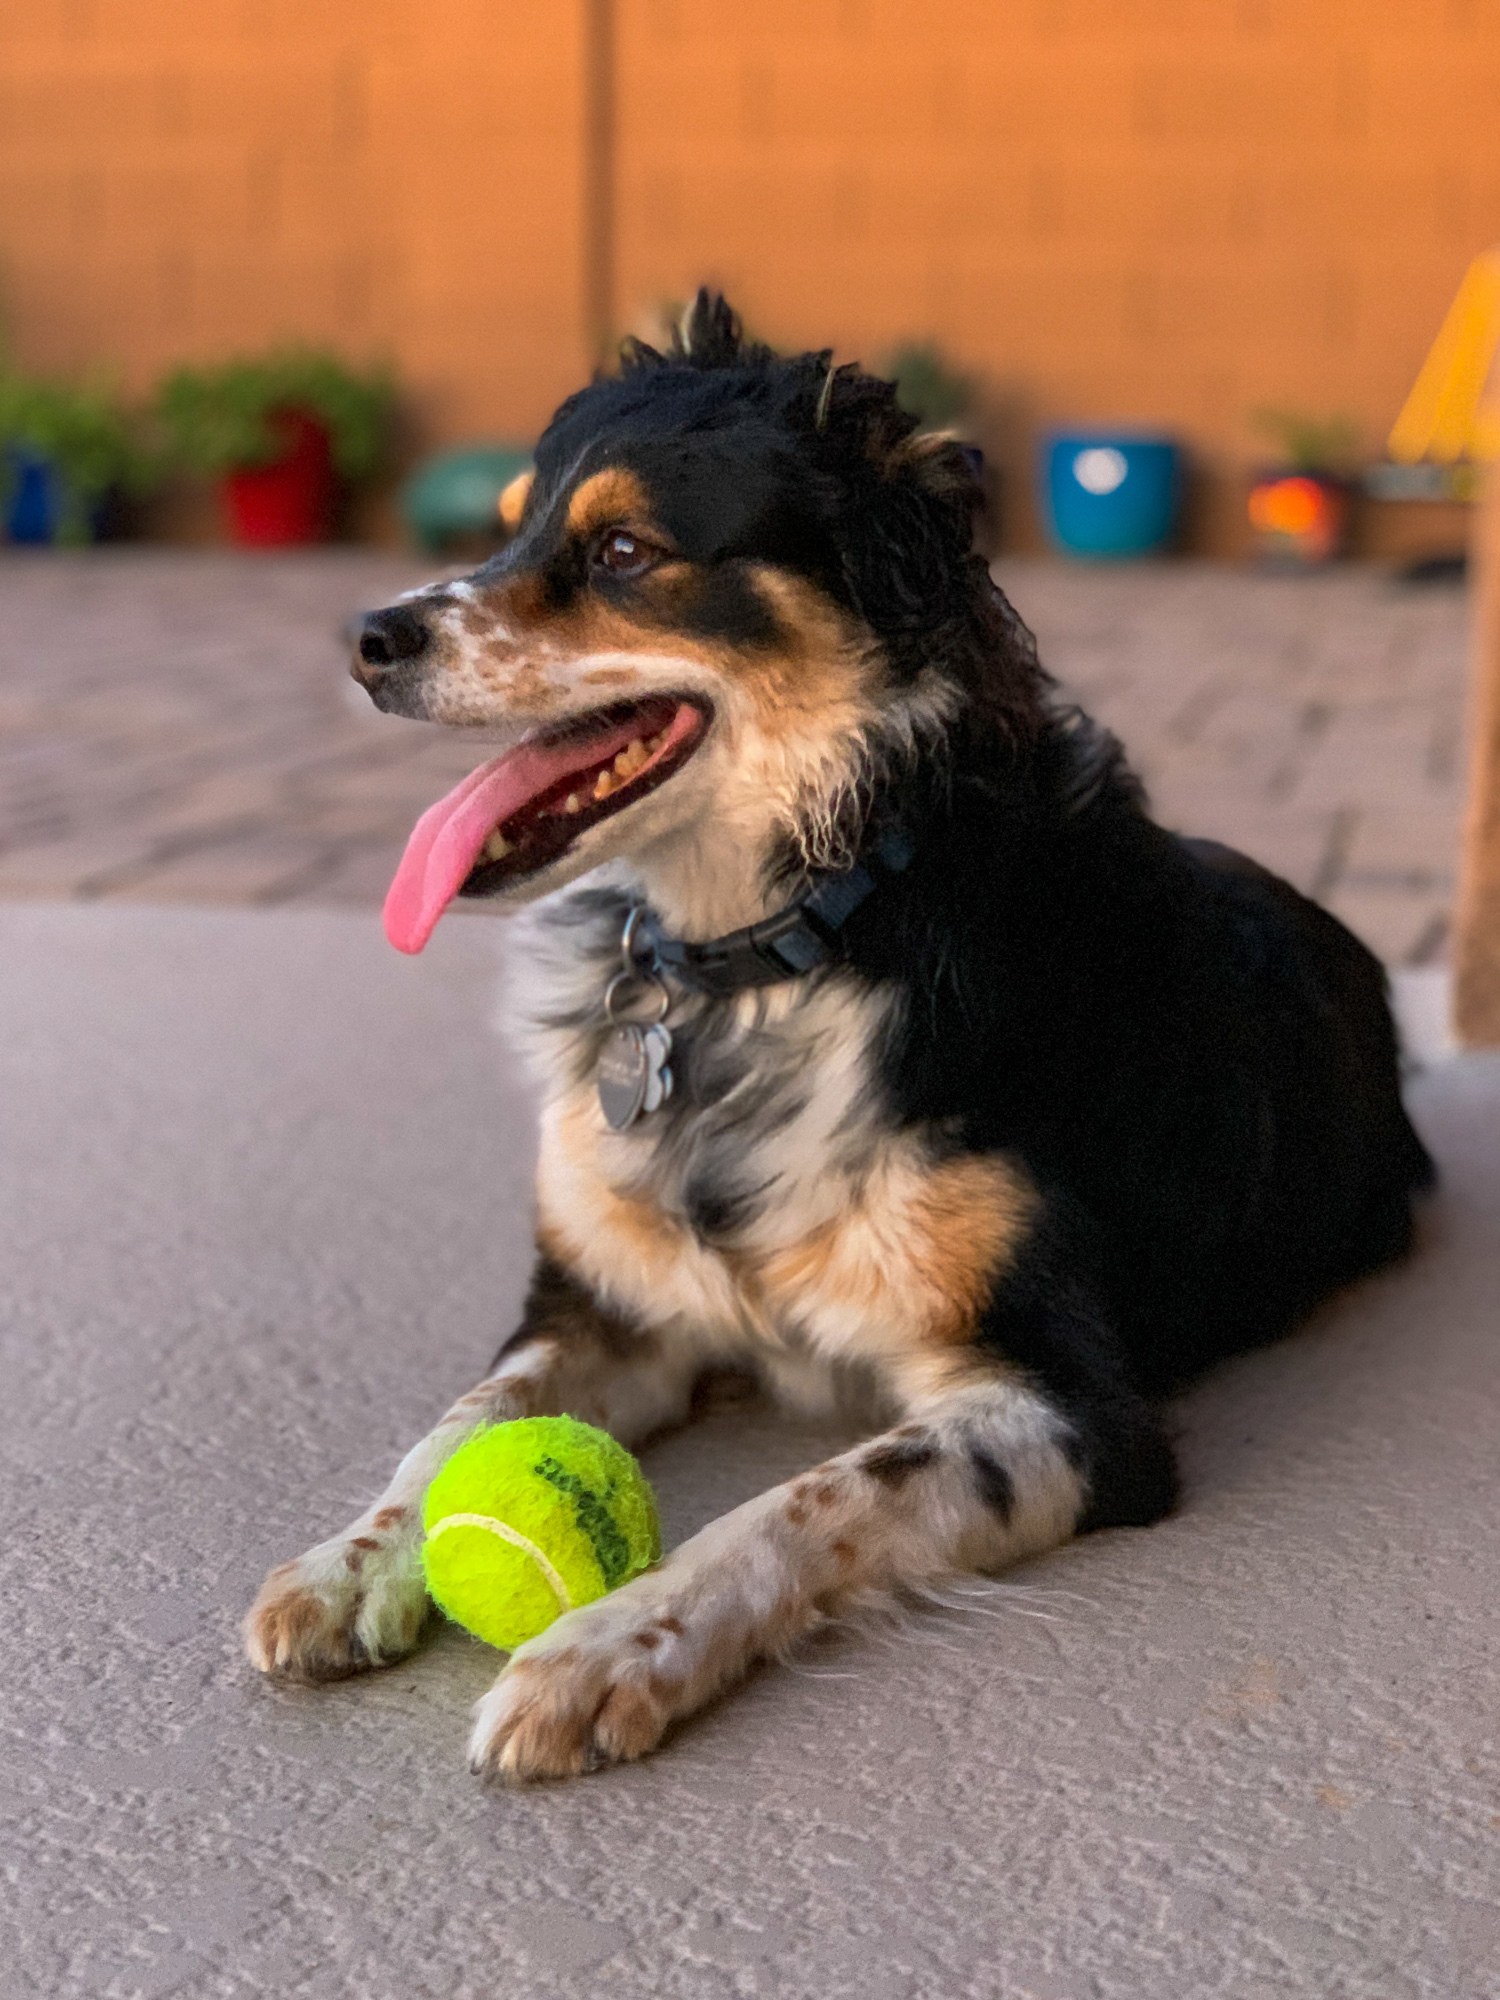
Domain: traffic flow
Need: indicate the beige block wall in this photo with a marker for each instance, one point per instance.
(1160, 211)
(183, 178)
(1108, 209)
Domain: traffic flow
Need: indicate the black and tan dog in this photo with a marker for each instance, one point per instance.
(970, 1082)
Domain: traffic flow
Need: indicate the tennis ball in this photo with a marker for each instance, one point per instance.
(529, 1519)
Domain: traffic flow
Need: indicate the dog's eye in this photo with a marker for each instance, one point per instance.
(623, 554)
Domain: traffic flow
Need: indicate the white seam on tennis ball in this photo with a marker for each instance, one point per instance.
(517, 1541)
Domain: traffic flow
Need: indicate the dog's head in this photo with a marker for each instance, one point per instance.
(739, 586)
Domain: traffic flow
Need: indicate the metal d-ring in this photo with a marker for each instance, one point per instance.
(627, 936)
(632, 974)
(634, 977)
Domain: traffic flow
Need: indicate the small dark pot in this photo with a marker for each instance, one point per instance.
(291, 500)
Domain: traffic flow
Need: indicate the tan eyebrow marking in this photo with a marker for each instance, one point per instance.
(513, 500)
(606, 497)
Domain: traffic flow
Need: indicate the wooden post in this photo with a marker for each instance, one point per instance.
(1476, 987)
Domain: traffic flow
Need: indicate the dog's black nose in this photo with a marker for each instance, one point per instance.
(387, 638)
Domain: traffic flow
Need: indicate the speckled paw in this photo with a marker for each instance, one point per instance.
(600, 1687)
(345, 1606)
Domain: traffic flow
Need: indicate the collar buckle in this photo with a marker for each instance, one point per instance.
(794, 941)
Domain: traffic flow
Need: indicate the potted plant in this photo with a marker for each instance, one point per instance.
(282, 433)
(1299, 507)
(67, 449)
(455, 496)
(928, 386)
(1110, 494)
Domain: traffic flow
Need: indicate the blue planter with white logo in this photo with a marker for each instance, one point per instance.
(1110, 494)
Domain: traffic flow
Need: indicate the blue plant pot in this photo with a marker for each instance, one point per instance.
(37, 500)
(1110, 494)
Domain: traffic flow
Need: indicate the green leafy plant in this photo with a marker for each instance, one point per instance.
(928, 385)
(1322, 447)
(92, 442)
(221, 419)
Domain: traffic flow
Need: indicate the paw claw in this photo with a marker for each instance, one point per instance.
(318, 1619)
(584, 1696)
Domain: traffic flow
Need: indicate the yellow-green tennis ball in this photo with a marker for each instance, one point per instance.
(531, 1518)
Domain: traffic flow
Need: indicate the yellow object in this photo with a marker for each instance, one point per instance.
(1450, 413)
(530, 1519)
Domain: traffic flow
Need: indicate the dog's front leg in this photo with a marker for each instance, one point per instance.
(980, 1477)
(357, 1600)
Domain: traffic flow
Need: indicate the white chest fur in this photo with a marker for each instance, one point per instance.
(774, 1200)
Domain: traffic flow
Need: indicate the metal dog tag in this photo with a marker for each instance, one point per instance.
(632, 1076)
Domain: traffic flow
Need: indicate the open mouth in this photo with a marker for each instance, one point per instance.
(516, 814)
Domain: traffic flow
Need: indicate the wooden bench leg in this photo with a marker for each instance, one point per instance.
(1476, 997)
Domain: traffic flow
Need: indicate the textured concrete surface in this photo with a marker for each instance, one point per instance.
(266, 1210)
(178, 726)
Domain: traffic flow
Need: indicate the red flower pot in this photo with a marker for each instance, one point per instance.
(291, 499)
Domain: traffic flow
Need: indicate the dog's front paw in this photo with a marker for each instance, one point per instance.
(354, 1602)
(601, 1686)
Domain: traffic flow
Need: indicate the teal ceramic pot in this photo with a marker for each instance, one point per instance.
(1110, 494)
(457, 493)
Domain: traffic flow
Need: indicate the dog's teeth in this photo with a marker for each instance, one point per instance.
(636, 754)
(496, 847)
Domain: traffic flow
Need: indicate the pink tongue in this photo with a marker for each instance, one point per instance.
(446, 840)
(445, 844)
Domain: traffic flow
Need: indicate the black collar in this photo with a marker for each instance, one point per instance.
(794, 941)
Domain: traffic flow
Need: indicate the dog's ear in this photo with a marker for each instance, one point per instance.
(910, 531)
(709, 333)
(945, 468)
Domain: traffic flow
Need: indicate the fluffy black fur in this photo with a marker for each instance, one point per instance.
(1076, 1101)
(1196, 1065)
(749, 455)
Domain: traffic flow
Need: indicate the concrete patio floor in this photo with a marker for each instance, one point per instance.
(178, 726)
(267, 1208)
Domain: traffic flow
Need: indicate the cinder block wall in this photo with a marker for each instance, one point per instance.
(182, 178)
(1165, 211)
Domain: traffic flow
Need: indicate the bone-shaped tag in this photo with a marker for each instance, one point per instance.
(658, 1076)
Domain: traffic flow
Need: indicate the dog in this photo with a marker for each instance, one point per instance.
(884, 1037)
